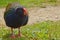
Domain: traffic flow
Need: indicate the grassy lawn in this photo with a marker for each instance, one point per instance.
(47, 30)
(31, 3)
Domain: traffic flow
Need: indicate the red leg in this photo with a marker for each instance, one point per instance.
(19, 35)
(12, 34)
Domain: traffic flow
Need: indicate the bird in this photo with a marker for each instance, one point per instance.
(15, 16)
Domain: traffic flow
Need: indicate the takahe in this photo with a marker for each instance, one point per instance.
(15, 16)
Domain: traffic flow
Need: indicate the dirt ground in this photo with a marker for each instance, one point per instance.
(37, 14)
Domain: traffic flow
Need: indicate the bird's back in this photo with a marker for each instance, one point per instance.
(12, 7)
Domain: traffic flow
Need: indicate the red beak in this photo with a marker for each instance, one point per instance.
(25, 11)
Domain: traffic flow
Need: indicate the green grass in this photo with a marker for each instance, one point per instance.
(47, 30)
(31, 3)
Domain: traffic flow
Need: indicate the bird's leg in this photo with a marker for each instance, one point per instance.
(12, 33)
(19, 35)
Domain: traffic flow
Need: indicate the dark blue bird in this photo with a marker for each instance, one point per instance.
(15, 16)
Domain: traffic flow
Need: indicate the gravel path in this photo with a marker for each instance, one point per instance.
(37, 14)
(42, 14)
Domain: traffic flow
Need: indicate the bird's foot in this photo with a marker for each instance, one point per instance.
(13, 36)
(19, 35)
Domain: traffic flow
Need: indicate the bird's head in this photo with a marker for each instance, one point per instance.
(21, 11)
